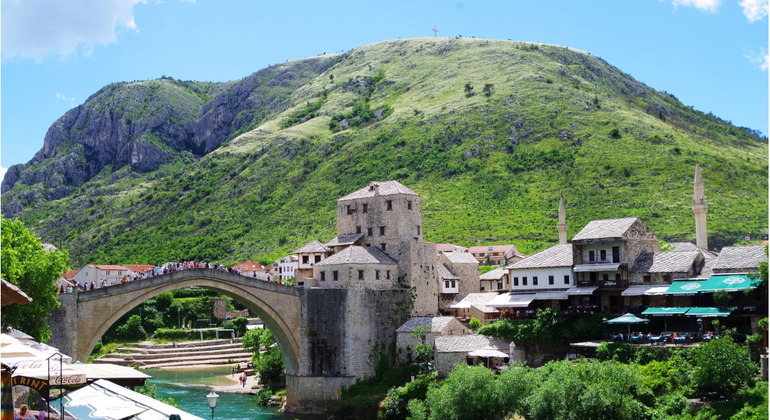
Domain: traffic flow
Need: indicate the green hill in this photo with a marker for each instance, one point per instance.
(490, 133)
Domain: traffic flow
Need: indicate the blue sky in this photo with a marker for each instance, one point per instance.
(711, 54)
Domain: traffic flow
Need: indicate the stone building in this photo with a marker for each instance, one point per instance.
(458, 276)
(435, 326)
(604, 251)
(308, 256)
(379, 244)
(495, 281)
(451, 350)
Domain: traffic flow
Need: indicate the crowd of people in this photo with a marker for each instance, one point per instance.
(71, 286)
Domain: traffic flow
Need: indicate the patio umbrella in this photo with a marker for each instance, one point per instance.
(42, 373)
(18, 351)
(20, 335)
(488, 352)
(627, 319)
(6, 339)
(10, 293)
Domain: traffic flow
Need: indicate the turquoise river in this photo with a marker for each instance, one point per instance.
(189, 388)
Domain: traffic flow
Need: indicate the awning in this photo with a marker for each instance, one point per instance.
(562, 295)
(665, 311)
(644, 290)
(581, 291)
(730, 283)
(512, 301)
(587, 268)
(685, 287)
(710, 312)
(522, 300)
(105, 400)
(41, 375)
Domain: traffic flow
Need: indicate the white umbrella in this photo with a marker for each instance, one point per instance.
(488, 352)
(16, 351)
(20, 335)
(6, 339)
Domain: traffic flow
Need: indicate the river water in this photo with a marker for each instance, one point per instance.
(189, 388)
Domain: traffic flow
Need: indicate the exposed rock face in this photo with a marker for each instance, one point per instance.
(143, 125)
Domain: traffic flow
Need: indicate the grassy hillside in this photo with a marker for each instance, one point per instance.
(490, 166)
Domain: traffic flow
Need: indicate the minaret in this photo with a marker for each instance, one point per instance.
(700, 208)
(562, 223)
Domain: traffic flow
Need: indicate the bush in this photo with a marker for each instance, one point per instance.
(131, 330)
(270, 367)
(721, 367)
(474, 324)
(619, 352)
(237, 324)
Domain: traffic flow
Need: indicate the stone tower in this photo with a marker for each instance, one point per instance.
(699, 207)
(562, 223)
(387, 215)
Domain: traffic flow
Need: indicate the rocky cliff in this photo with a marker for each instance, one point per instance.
(143, 125)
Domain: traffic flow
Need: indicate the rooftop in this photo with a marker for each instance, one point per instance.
(609, 228)
(444, 273)
(495, 274)
(665, 262)
(358, 255)
(312, 247)
(437, 323)
(379, 188)
(468, 343)
(461, 258)
(555, 256)
(346, 239)
(740, 258)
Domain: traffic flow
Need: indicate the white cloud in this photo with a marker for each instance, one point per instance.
(35, 29)
(754, 10)
(2, 173)
(65, 98)
(707, 5)
(761, 58)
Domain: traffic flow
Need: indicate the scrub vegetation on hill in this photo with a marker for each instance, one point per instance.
(489, 164)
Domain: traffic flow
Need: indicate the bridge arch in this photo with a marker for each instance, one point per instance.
(277, 305)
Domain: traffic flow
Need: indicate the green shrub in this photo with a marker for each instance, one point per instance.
(721, 367)
(131, 330)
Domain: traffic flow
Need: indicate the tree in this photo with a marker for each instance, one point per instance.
(721, 367)
(132, 330)
(468, 89)
(467, 393)
(423, 352)
(34, 270)
(270, 367)
(488, 89)
(475, 323)
(255, 339)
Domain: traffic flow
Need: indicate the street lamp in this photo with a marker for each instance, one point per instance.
(212, 397)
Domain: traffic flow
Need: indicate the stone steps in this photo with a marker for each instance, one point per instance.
(148, 356)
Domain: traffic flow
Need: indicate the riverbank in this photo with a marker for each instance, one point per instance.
(235, 387)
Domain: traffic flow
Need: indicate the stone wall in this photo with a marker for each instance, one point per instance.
(65, 320)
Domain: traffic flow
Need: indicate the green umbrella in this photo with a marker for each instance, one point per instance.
(627, 319)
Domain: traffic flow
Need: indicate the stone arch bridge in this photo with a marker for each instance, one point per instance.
(326, 336)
